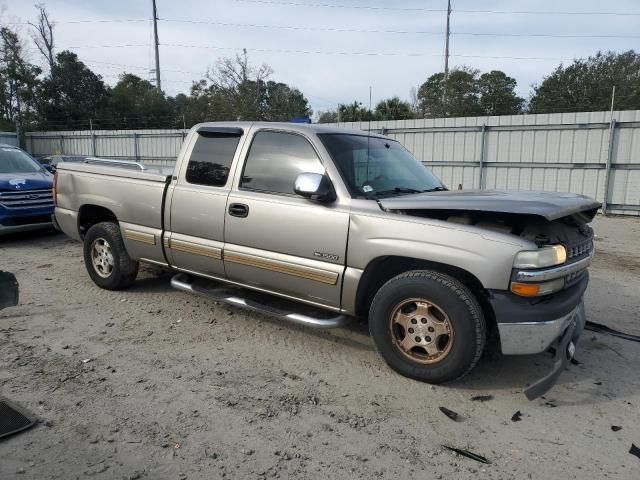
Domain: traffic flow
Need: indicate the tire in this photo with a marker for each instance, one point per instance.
(115, 269)
(426, 301)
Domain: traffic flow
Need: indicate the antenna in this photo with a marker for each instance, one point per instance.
(369, 132)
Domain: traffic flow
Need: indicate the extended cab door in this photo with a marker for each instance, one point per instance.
(276, 240)
(195, 235)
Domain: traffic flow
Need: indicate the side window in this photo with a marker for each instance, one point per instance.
(211, 159)
(276, 159)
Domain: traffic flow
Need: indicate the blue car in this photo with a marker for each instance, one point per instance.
(26, 199)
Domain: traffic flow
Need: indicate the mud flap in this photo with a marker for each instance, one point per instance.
(565, 349)
(8, 290)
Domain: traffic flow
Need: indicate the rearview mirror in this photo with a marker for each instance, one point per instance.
(314, 186)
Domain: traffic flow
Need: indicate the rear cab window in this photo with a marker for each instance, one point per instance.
(211, 158)
(275, 160)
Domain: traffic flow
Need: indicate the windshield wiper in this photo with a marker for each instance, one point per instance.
(399, 190)
(435, 189)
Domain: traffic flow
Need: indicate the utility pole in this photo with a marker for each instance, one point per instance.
(446, 52)
(155, 36)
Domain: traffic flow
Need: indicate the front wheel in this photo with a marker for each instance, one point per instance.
(106, 259)
(427, 326)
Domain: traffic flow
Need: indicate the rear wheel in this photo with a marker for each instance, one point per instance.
(427, 326)
(106, 258)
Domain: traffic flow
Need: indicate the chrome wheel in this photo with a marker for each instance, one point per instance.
(102, 257)
(421, 331)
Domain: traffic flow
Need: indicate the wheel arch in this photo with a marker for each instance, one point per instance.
(382, 269)
(90, 214)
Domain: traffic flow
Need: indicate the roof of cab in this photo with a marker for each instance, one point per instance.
(313, 128)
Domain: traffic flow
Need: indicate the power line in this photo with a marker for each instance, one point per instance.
(390, 31)
(319, 52)
(422, 9)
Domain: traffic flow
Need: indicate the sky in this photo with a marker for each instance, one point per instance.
(334, 50)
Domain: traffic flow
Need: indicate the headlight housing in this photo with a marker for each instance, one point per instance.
(541, 258)
(537, 289)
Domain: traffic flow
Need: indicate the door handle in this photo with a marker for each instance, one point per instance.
(239, 210)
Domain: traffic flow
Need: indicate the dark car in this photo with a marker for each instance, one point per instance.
(26, 199)
(50, 162)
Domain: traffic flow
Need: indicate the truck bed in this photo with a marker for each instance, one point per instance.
(133, 195)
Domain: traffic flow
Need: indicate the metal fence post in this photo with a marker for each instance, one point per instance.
(483, 134)
(136, 152)
(607, 175)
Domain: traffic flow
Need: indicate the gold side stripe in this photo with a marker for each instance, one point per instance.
(309, 273)
(196, 249)
(140, 236)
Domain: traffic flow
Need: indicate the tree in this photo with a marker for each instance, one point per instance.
(497, 94)
(137, 103)
(18, 83)
(460, 98)
(330, 116)
(393, 109)
(71, 94)
(43, 36)
(586, 85)
(236, 90)
(354, 112)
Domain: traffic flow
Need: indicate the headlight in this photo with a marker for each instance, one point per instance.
(537, 289)
(541, 258)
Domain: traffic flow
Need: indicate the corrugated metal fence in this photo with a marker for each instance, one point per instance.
(589, 153)
(9, 138)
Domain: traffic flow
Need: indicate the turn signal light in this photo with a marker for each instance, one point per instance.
(537, 289)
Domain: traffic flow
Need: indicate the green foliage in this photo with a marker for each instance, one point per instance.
(586, 85)
(393, 109)
(18, 83)
(354, 112)
(497, 94)
(467, 93)
(70, 95)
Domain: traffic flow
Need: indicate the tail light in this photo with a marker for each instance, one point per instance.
(54, 189)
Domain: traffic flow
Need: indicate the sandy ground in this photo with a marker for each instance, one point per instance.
(178, 387)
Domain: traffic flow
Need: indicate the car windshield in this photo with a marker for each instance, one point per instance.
(375, 167)
(13, 160)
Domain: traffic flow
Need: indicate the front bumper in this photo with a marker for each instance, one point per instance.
(528, 326)
(7, 229)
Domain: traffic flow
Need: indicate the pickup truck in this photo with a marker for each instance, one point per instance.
(26, 202)
(349, 222)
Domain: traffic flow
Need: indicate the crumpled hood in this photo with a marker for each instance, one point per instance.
(15, 182)
(550, 205)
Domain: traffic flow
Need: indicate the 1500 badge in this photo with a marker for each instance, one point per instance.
(327, 256)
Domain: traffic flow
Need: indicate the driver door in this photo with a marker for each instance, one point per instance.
(276, 240)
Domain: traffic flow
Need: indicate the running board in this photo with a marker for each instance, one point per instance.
(181, 282)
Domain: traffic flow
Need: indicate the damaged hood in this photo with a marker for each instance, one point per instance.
(550, 205)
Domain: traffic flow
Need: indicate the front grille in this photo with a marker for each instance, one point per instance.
(27, 199)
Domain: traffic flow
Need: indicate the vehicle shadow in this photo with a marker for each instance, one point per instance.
(44, 235)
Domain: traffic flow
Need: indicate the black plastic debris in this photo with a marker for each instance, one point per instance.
(468, 454)
(455, 416)
(634, 450)
(482, 398)
(13, 418)
(574, 361)
(616, 428)
(8, 290)
(599, 328)
(516, 417)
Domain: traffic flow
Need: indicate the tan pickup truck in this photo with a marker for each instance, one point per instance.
(350, 223)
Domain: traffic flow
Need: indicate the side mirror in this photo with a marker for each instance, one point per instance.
(49, 168)
(314, 186)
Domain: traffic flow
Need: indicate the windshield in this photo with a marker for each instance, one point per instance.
(375, 167)
(13, 160)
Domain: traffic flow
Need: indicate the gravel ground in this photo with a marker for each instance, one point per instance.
(177, 387)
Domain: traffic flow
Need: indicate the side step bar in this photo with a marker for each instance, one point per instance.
(181, 282)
